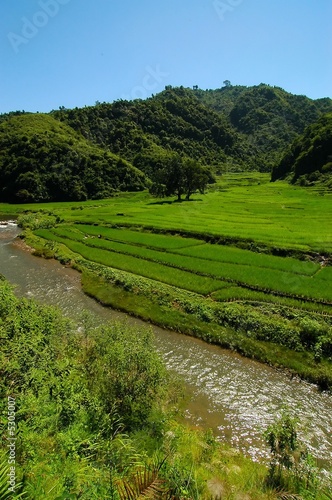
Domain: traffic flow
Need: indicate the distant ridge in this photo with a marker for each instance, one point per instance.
(91, 152)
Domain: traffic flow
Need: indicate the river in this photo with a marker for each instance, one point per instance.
(234, 396)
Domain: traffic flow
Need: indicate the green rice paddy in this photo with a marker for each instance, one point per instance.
(153, 270)
(193, 265)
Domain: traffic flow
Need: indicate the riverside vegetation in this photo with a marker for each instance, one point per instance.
(97, 416)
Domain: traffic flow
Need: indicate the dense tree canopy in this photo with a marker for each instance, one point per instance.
(269, 118)
(309, 159)
(44, 160)
(234, 128)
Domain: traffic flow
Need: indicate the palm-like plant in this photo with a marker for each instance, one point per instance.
(144, 484)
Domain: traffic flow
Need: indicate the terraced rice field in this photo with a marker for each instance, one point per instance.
(191, 264)
(172, 276)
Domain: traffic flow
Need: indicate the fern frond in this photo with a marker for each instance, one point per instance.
(144, 484)
(156, 491)
(289, 496)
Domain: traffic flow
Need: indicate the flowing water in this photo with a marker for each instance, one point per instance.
(234, 396)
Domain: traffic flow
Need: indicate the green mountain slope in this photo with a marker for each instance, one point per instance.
(268, 117)
(233, 128)
(309, 159)
(174, 120)
(42, 159)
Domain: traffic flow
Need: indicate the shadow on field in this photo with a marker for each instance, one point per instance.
(168, 202)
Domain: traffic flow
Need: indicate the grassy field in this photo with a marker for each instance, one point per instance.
(244, 264)
(246, 207)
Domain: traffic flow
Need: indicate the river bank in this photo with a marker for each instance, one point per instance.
(226, 325)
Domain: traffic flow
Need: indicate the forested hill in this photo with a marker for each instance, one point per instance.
(233, 128)
(173, 120)
(308, 160)
(75, 154)
(268, 117)
(42, 159)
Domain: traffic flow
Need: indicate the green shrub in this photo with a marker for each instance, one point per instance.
(310, 331)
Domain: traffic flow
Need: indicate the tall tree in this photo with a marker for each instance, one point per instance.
(180, 176)
(195, 177)
(167, 178)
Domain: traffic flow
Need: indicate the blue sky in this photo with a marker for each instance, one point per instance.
(76, 52)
